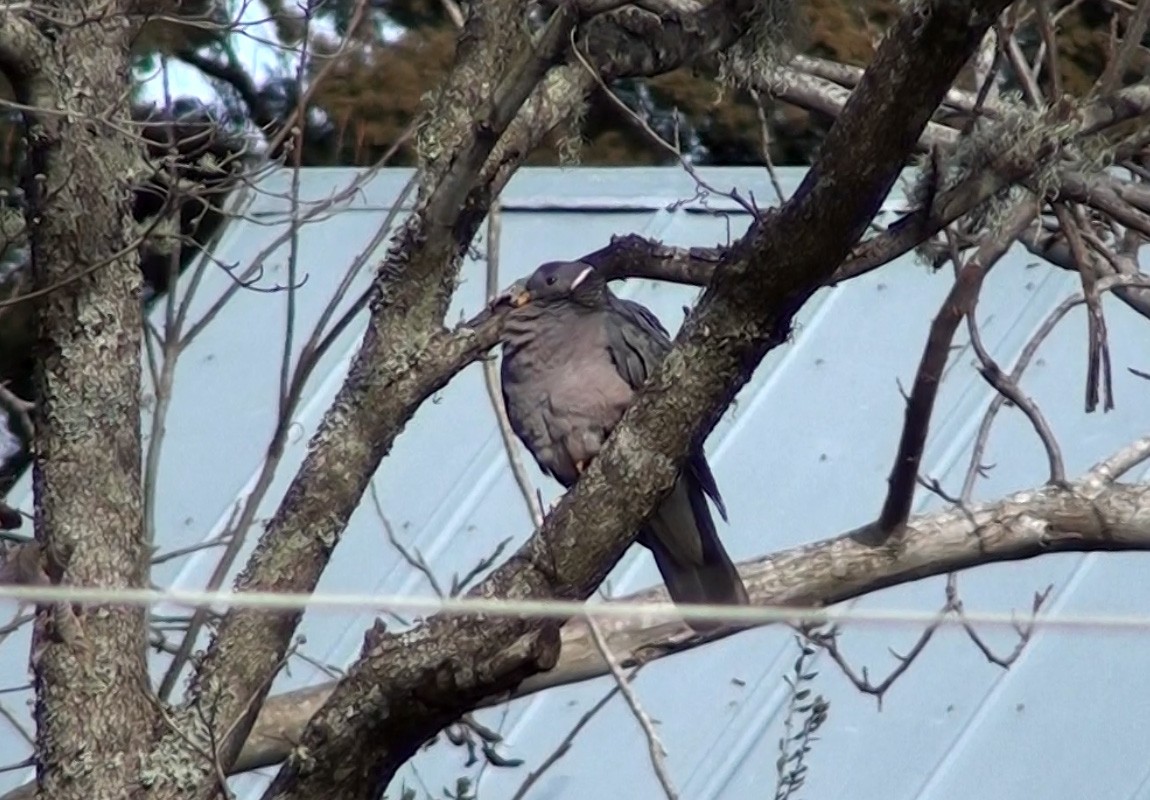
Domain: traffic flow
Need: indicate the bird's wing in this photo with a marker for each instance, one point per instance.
(637, 342)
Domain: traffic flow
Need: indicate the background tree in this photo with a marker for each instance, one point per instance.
(1015, 130)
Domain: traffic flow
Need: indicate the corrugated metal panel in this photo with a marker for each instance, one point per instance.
(802, 455)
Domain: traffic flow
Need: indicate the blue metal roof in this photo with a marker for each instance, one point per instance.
(803, 454)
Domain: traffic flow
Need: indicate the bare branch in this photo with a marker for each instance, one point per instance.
(654, 744)
(828, 641)
(491, 375)
(1126, 459)
(1098, 370)
(565, 745)
(634, 256)
(747, 310)
(1008, 387)
(959, 302)
(1091, 516)
(237, 77)
(1024, 631)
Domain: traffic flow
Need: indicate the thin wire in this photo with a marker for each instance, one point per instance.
(545, 609)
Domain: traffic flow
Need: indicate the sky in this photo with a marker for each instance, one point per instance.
(259, 59)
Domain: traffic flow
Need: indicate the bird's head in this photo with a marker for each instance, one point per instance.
(562, 280)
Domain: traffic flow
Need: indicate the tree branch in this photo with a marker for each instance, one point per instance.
(630, 41)
(22, 50)
(960, 302)
(406, 687)
(412, 289)
(1091, 516)
(634, 256)
(410, 296)
(238, 78)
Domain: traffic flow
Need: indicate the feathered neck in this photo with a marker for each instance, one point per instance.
(541, 320)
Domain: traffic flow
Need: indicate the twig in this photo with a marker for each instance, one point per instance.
(491, 376)
(565, 745)
(171, 555)
(1024, 358)
(1099, 379)
(654, 744)
(415, 559)
(15, 723)
(1022, 71)
(1024, 631)
(236, 76)
(28, 762)
(460, 582)
(163, 374)
(1009, 388)
(646, 128)
(960, 301)
(1118, 464)
(1050, 43)
(828, 642)
(765, 143)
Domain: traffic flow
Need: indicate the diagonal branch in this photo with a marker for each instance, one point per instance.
(407, 687)
(1090, 516)
(412, 289)
(238, 78)
(959, 303)
(405, 350)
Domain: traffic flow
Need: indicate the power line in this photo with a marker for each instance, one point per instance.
(547, 609)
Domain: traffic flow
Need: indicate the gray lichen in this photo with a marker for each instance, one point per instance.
(1023, 135)
(769, 34)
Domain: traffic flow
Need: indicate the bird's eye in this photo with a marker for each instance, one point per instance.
(551, 280)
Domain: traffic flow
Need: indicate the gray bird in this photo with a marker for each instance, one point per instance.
(574, 355)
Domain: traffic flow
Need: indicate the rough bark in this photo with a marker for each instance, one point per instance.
(630, 255)
(468, 164)
(92, 712)
(504, 95)
(410, 296)
(1090, 517)
(408, 686)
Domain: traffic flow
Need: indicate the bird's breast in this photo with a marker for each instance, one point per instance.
(579, 382)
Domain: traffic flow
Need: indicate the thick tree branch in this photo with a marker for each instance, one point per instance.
(413, 288)
(389, 379)
(22, 51)
(411, 292)
(1089, 517)
(238, 78)
(634, 256)
(630, 41)
(407, 687)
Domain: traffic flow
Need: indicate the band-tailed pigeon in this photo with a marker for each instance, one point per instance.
(574, 355)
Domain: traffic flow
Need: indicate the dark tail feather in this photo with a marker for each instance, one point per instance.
(681, 531)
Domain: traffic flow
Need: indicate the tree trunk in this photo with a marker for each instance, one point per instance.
(92, 712)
